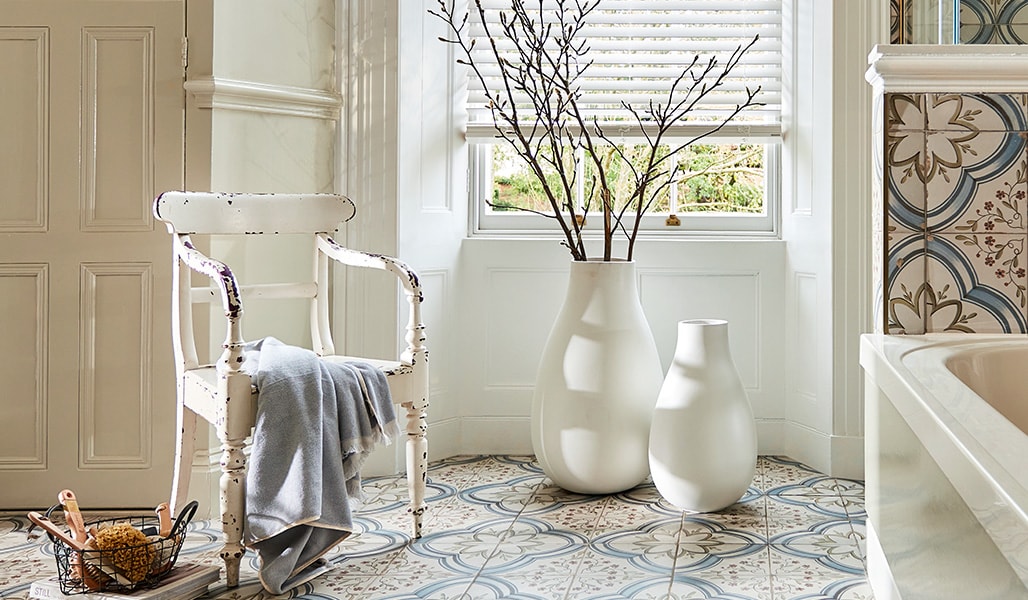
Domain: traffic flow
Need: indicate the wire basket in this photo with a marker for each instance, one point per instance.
(124, 568)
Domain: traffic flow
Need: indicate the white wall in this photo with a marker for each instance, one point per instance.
(794, 305)
(262, 108)
(791, 304)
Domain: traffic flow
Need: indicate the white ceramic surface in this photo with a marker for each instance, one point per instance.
(598, 380)
(947, 475)
(703, 439)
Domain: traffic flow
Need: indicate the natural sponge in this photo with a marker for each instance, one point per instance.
(128, 550)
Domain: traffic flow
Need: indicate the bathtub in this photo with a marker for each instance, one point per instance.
(946, 465)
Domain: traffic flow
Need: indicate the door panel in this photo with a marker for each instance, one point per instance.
(95, 107)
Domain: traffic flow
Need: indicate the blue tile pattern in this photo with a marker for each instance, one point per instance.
(993, 21)
(497, 528)
(979, 21)
(956, 213)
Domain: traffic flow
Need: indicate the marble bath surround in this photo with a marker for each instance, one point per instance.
(947, 482)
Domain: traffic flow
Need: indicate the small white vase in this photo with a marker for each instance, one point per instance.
(598, 379)
(703, 440)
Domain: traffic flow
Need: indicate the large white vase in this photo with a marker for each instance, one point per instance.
(703, 440)
(598, 379)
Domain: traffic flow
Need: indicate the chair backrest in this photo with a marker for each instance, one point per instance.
(221, 213)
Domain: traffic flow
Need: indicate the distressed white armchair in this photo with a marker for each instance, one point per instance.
(213, 392)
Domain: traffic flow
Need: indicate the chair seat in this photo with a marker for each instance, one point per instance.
(201, 384)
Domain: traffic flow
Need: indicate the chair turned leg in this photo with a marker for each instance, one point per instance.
(233, 478)
(417, 463)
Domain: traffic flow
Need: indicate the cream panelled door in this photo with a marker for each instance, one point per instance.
(91, 128)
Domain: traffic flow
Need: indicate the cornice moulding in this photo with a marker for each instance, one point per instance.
(957, 68)
(231, 94)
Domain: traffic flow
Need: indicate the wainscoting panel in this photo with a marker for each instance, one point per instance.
(524, 304)
(117, 128)
(23, 305)
(669, 297)
(24, 155)
(115, 365)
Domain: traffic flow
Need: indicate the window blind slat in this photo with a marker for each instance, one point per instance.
(638, 47)
(656, 5)
(734, 132)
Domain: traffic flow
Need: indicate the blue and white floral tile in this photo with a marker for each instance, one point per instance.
(607, 577)
(905, 178)
(780, 471)
(555, 547)
(965, 114)
(507, 498)
(832, 545)
(502, 468)
(977, 283)
(738, 577)
(581, 518)
(652, 547)
(548, 577)
(993, 21)
(846, 589)
(977, 22)
(426, 586)
(457, 472)
(748, 515)
(623, 514)
(905, 282)
(894, 22)
(983, 186)
(905, 112)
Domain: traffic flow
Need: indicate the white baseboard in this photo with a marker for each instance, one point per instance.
(834, 455)
(770, 437)
(847, 457)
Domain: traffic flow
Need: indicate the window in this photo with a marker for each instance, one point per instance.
(725, 182)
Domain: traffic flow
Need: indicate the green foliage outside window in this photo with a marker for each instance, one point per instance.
(725, 178)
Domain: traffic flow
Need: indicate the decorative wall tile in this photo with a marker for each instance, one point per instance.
(993, 21)
(895, 20)
(956, 214)
(982, 187)
(905, 285)
(976, 283)
(975, 112)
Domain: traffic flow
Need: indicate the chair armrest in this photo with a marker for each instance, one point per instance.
(356, 258)
(219, 273)
(415, 355)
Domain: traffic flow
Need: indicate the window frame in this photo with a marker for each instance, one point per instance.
(693, 224)
(482, 221)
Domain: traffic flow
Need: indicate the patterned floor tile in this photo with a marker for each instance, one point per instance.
(756, 588)
(424, 586)
(833, 545)
(548, 577)
(497, 528)
(779, 471)
(794, 578)
(800, 514)
(825, 506)
(603, 576)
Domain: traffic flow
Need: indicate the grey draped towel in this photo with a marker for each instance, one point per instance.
(316, 423)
